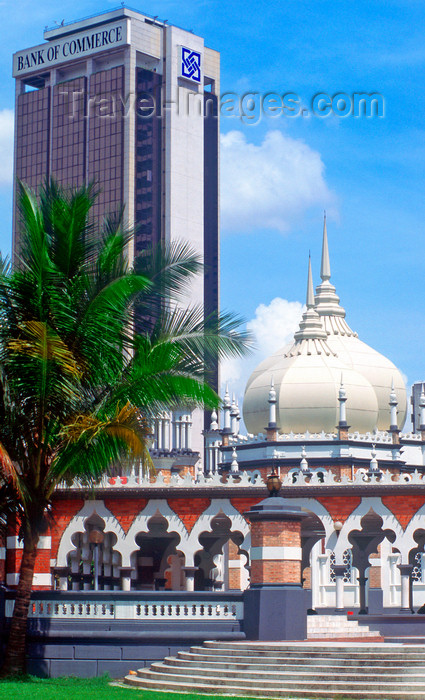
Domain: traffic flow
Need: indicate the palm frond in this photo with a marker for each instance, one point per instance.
(42, 343)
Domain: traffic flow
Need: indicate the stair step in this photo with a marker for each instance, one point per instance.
(268, 675)
(386, 664)
(283, 692)
(379, 651)
(291, 670)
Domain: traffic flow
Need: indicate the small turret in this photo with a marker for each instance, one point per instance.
(271, 430)
(227, 407)
(374, 469)
(422, 413)
(394, 429)
(342, 424)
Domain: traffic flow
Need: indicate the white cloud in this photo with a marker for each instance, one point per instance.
(272, 327)
(269, 185)
(6, 146)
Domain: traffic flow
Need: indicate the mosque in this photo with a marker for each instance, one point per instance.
(325, 416)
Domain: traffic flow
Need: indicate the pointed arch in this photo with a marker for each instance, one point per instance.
(204, 524)
(141, 524)
(77, 525)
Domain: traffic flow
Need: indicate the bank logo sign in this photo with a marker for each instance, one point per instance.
(190, 64)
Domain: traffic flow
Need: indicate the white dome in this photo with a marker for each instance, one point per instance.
(307, 383)
(307, 373)
(379, 371)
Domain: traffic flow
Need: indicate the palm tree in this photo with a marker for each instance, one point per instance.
(80, 374)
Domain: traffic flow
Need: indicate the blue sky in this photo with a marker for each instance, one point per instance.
(279, 174)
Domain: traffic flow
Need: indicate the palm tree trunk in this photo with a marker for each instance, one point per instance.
(14, 661)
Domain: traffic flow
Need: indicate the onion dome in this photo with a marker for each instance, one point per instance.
(307, 376)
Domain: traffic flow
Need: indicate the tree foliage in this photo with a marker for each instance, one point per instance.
(91, 348)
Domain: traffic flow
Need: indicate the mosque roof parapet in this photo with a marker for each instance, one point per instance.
(369, 437)
(294, 480)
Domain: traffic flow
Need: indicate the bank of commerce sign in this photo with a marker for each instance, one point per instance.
(190, 64)
(86, 43)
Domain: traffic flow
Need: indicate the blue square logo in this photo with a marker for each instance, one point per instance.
(190, 64)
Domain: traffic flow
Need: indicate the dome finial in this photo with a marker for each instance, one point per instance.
(310, 289)
(325, 268)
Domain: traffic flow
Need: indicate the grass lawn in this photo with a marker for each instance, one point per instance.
(81, 689)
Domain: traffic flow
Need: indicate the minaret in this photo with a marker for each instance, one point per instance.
(326, 299)
(342, 424)
(271, 430)
(234, 416)
(394, 429)
(227, 407)
(422, 413)
(212, 440)
(238, 417)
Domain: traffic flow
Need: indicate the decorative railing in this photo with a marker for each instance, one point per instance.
(254, 480)
(161, 480)
(87, 608)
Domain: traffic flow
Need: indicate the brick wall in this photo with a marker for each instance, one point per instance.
(404, 508)
(276, 534)
(189, 510)
(273, 571)
(125, 509)
(339, 507)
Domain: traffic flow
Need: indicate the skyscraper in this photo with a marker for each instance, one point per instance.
(129, 102)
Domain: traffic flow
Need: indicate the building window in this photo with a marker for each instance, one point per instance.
(347, 561)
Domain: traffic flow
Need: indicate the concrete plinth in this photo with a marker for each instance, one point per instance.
(273, 613)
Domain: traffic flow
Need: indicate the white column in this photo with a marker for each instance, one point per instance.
(75, 567)
(86, 556)
(166, 426)
(322, 561)
(107, 554)
(339, 570)
(174, 442)
(125, 572)
(116, 568)
(190, 577)
(183, 432)
(405, 572)
(189, 431)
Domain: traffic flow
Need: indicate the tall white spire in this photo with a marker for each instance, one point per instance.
(310, 326)
(325, 268)
(310, 289)
(326, 299)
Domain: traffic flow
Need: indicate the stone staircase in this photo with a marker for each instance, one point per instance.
(291, 670)
(337, 627)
